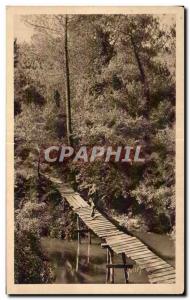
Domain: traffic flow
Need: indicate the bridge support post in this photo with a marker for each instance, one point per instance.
(89, 237)
(89, 243)
(77, 257)
(78, 229)
(78, 244)
(110, 265)
(112, 269)
(125, 268)
(109, 270)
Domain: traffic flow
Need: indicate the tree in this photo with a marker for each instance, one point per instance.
(68, 93)
(58, 25)
(119, 73)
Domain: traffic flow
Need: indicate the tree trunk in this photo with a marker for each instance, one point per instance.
(146, 92)
(143, 77)
(68, 94)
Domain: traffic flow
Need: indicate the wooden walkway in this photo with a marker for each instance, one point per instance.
(158, 271)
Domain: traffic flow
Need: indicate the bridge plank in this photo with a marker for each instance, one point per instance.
(122, 239)
(87, 215)
(129, 244)
(126, 250)
(147, 265)
(104, 230)
(156, 271)
(103, 234)
(148, 255)
(152, 269)
(154, 275)
(164, 281)
(99, 222)
(144, 261)
(114, 234)
(163, 278)
(80, 199)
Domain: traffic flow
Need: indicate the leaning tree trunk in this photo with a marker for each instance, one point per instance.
(68, 93)
(143, 78)
(146, 92)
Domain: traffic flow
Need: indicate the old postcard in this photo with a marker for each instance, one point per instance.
(95, 150)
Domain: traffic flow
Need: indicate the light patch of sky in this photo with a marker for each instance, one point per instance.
(167, 20)
(24, 32)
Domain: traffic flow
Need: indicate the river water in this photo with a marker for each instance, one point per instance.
(87, 264)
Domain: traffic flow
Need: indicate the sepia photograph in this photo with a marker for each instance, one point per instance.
(95, 150)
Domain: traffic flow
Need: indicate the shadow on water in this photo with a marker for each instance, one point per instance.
(91, 262)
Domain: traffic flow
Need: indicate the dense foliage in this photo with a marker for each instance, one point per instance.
(122, 83)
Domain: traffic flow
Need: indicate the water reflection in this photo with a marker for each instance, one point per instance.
(75, 263)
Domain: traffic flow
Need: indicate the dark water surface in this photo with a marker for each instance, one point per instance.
(92, 260)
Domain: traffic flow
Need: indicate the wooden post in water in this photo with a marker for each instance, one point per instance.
(78, 229)
(112, 269)
(109, 264)
(78, 244)
(89, 237)
(125, 268)
(89, 243)
(108, 269)
(77, 257)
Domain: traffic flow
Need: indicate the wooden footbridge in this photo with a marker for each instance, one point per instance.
(116, 241)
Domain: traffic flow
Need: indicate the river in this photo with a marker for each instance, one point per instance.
(91, 266)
